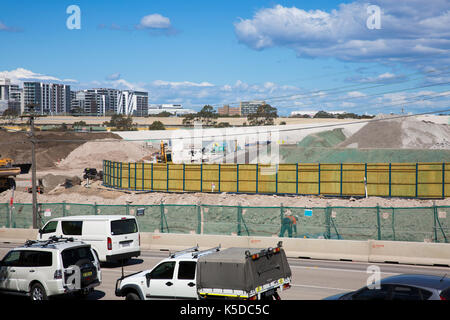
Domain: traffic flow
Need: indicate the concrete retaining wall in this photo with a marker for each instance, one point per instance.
(364, 251)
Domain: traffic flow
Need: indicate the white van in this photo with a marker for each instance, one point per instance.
(113, 238)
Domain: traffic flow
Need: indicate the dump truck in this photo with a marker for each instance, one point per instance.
(8, 172)
(233, 273)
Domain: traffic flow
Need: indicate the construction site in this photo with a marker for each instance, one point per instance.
(64, 156)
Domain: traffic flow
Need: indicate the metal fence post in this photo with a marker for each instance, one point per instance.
(390, 178)
(378, 222)
(201, 177)
(256, 178)
(95, 208)
(341, 180)
(435, 221)
(199, 218)
(167, 177)
(328, 221)
(161, 222)
(64, 208)
(296, 178)
(237, 177)
(443, 180)
(239, 219)
(319, 178)
(417, 179)
(219, 177)
(151, 169)
(184, 178)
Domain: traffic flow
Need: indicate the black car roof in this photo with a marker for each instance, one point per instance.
(421, 280)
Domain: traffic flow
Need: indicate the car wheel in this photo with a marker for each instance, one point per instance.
(132, 296)
(37, 292)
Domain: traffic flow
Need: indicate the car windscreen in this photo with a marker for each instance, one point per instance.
(71, 256)
(123, 226)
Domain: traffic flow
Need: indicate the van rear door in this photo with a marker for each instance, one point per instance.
(125, 235)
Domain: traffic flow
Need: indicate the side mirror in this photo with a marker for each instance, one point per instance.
(148, 276)
(40, 231)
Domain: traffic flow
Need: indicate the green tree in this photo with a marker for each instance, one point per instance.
(207, 116)
(188, 120)
(264, 116)
(121, 122)
(157, 125)
(324, 114)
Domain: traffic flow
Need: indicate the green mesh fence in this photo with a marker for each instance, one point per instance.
(4, 215)
(429, 224)
(220, 220)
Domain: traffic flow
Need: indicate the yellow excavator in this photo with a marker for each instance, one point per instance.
(164, 156)
(8, 171)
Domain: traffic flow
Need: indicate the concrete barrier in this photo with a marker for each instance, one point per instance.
(409, 252)
(364, 251)
(17, 235)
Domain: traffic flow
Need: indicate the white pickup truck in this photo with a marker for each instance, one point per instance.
(233, 273)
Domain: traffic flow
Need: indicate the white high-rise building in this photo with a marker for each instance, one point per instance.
(48, 98)
(133, 103)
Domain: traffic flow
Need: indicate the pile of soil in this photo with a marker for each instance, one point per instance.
(92, 153)
(400, 133)
(16, 145)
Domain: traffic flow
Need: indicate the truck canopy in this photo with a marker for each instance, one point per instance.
(233, 269)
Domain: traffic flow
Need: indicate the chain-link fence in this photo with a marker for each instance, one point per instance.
(429, 224)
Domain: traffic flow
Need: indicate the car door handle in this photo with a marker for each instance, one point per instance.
(169, 283)
(191, 284)
(32, 270)
(12, 270)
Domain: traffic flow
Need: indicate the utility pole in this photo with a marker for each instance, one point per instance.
(32, 137)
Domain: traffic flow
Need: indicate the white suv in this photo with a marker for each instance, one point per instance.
(41, 269)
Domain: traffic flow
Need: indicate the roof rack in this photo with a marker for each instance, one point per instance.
(203, 252)
(178, 253)
(51, 240)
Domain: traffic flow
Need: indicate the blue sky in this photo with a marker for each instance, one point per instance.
(214, 52)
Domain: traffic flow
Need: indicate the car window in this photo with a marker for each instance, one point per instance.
(186, 270)
(372, 294)
(406, 293)
(50, 227)
(36, 259)
(163, 271)
(425, 294)
(12, 259)
(71, 256)
(72, 228)
(123, 226)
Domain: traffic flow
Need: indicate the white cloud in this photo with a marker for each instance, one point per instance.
(356, 94)
(411, 30)
(154, 21)
(20, 74)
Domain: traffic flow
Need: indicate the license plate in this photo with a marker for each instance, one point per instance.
(87, 274)
(126, 244)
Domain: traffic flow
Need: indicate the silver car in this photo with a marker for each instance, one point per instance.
(403, 287)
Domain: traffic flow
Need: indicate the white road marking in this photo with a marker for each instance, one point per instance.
(319, 287)
(337, 269)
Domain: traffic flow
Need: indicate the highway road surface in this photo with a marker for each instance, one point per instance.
(312, 279)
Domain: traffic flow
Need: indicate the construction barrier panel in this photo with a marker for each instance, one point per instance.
(417, 224)
(411, 180)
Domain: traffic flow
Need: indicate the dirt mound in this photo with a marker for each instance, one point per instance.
(49, 151)
(400, 133)
(92, 153)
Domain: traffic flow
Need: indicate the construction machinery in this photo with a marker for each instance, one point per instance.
(8, 172)
(164, 156)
